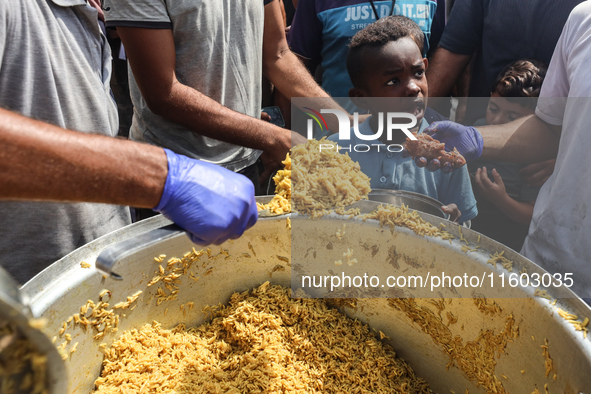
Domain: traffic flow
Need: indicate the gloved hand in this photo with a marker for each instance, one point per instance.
(466, 139)
(211, 203)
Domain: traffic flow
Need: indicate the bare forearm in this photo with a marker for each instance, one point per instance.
(291, 77)
(39, 161)
(519, 212)
(525, 140)
(445, 69)
(280, 65)
(152, 57)
(288, 73)
(199, 113)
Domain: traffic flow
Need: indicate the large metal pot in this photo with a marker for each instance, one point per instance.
(415, 201)
(265, 252)
(16, 316)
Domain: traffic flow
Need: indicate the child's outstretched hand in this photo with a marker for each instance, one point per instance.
(453, 211)
(492, 191)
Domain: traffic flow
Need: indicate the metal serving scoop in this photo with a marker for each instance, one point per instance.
(266, 213)
(117, 252)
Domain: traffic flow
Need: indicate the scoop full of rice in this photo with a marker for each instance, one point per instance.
(324, 179)
(281, 202)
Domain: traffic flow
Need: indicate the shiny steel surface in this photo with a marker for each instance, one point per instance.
(111, 255)
(14, 311)
(265, 253)
(415, 201)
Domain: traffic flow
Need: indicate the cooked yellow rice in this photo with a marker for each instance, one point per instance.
(392, 216)
(325, 180)
(477, 359)
(281, 202)
(263, 341)
(22, 368)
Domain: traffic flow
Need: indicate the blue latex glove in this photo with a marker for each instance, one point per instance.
(211, 203)
(466, 139)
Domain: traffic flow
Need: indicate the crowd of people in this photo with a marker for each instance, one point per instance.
(198, 140)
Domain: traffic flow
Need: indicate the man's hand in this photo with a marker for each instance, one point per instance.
(467, 140)
(297, 139)
(535, 175)
(272, 160)
(211, 203)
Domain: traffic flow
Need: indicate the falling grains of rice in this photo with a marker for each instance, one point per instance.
(281, 202)
(323, 180)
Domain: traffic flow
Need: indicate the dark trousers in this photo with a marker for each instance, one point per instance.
(253, 173)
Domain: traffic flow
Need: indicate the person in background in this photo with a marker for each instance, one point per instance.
(211, 203)
(196, 78)
(493, 34)
(385, 61)
(290, 8)
(505, 202)
(322, 29)
(55, 66)
(558, 238)
(481, 37)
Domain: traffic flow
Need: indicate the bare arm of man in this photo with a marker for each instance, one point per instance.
(310, 64)
(445, 69)
(525, 140)
(287, 72)
(39, 161)
(152, 56)
(283, 68)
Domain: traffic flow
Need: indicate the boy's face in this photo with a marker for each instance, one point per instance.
(395, 70)
(501, 111)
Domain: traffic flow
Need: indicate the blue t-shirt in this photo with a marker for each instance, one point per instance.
(322, 30)
(389, 170)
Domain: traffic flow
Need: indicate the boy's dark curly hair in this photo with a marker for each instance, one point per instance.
(376, 35)
(522, 78)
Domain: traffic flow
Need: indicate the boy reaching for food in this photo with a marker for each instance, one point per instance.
(505, 201)
(387, 69)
